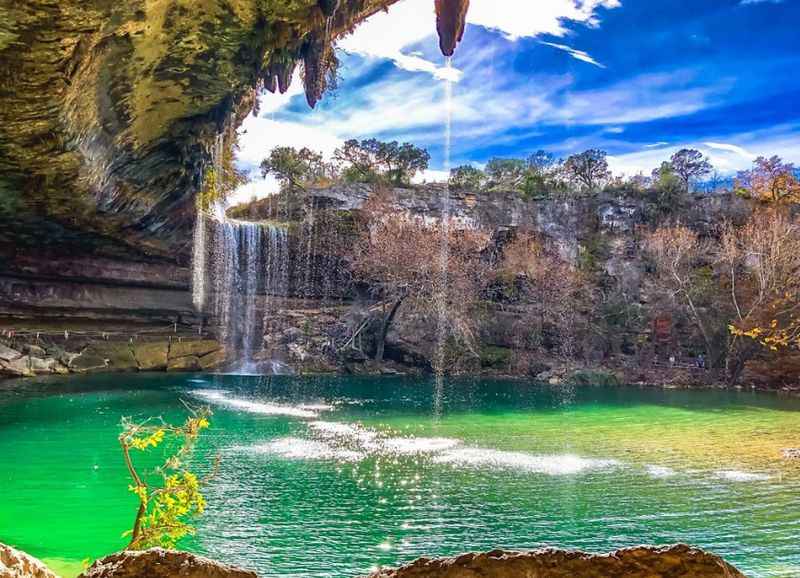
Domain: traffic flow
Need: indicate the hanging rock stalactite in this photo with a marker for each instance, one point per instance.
(451, 18)
(316, 55)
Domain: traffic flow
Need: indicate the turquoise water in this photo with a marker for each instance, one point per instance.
(334, 476)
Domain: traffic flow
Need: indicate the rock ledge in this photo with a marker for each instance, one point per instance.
(675, 561)
(160, 563)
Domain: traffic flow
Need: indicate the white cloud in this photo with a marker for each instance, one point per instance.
(730, 148)
(727, 158)
(390, 35)
(575, 53)
(525, 18)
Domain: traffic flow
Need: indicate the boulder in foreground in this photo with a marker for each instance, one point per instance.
(160, 563)
(679, 561)
(16, 564)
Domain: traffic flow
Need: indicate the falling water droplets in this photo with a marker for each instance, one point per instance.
(444, 250)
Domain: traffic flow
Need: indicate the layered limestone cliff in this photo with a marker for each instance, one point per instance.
(109, 110)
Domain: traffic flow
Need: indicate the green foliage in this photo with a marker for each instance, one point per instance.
(296, 170)
(495, 357)
(467, 178)
(593, 252)
(589, 169)
(373, 161)
(221, 178)
(668, 191)
(506, 173)
(169, 496)
(589, 377)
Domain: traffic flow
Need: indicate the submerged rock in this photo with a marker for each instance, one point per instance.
(639, 562)
(160, 563)
(16, 564)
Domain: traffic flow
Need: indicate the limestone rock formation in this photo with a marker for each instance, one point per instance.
(16, 564)
(110, 110)
(679, 561)
(160, 563)
(451, 19)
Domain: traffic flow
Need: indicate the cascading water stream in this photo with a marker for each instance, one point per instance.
(237, 269)
(444, 249)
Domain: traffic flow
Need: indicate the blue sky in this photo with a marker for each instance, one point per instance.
(637, 78)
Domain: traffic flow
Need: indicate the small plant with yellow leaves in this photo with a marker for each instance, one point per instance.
(170, 495)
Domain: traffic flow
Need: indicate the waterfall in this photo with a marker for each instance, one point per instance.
(252, 271)
(199, 262)
(237, 269)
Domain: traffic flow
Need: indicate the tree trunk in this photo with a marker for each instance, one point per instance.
(387, 322)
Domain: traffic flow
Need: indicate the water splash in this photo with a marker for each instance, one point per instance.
(444, 250)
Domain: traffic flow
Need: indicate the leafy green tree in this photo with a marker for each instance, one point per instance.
(221, 177)
(296, 169)
(372, 160)
(170, 495)
(668, 187)
(468, 178)
(506, 174)
(589, 169)
(690, 164)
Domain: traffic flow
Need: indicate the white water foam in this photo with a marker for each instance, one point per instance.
(316, 406)
(660, 471)
(370, 440)
(740, 476)
(419, 445)
(304, 449)
(220, 396)
(553, 465)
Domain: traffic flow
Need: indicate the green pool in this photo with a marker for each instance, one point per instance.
(334, 476)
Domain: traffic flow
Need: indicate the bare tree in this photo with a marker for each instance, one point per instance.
(676, 252)
(553, 288)
(689, 164)
(398, 255)
(761, 260)
(589, 168)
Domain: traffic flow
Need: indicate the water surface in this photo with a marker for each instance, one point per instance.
(334, 476)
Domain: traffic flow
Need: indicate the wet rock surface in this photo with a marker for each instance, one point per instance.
(159, 563)
(97, 355)
(17, 564)
(111, 109)
(640, 562)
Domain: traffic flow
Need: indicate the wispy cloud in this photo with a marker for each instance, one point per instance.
(730, 148)
(727, 157)
(575, 53)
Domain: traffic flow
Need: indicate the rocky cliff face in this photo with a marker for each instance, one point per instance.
(109, 110)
